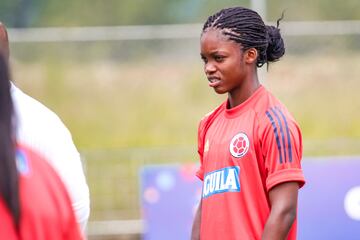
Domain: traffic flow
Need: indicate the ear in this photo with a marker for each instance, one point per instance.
(251, 55)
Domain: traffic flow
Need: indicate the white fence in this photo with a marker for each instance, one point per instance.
(175, 31)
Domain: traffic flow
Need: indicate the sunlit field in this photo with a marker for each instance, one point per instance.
(159, 102)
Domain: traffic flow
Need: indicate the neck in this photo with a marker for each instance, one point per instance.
(243, 92)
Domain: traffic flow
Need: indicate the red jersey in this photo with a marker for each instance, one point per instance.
(244, 152)
(45, 207)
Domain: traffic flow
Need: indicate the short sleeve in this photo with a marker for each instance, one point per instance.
(281, 142)
(201, 137)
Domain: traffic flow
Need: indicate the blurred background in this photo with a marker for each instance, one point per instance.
(126, 78)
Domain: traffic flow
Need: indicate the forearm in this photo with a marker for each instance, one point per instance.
(195, 232)
(278, 225)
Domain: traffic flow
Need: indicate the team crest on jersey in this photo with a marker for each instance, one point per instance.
(221, 181)
(239, 145)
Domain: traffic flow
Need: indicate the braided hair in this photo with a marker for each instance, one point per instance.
(246, 27)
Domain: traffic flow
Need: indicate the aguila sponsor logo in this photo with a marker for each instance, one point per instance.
(222, 180)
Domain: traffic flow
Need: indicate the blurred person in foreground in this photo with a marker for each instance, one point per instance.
(34, 203)
(250, 147)
(42, 130)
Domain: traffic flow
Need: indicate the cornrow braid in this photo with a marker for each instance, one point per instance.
(246, 27)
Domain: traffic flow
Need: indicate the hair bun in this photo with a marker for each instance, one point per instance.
(276, 48)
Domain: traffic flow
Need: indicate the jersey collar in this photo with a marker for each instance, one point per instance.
(245, 106)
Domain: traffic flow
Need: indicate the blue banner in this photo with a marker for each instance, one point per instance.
(329, 203)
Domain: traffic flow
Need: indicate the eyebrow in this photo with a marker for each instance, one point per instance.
(217, 52)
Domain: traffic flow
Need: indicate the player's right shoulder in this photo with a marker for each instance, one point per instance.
(215, 111)
(210, 116)
(206, 116)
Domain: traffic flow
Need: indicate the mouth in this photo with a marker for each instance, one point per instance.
(214, 82)
(213, 79)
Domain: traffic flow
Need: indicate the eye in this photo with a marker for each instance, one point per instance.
(219, 58)
(204, 59)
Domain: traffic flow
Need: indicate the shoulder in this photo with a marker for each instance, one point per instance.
(33, 114)
(270, 108)
(42, 130)
(274, 121)
(210, 116)
(278, 128)
(278, 117)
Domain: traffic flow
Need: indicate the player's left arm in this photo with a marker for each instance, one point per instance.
(281, 143)
(195, 231)
(283, 200)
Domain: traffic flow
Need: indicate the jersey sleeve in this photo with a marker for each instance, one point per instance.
(201, 137)
(204, 125)
(281, 148)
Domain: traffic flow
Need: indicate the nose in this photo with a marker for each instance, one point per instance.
(209, 68)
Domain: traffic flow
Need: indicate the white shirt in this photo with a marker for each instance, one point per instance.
(42, 130)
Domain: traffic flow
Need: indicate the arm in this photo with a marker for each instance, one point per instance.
(195, 232)
(68, 164)
(283, 200)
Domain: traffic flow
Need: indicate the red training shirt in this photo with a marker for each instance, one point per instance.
(45, 207)
(244, 152)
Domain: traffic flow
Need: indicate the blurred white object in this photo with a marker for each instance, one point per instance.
(42, 130)
(352, 203)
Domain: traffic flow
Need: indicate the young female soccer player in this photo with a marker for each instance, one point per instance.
(34, 203)
(250, 147)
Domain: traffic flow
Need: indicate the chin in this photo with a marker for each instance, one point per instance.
(220, 90)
